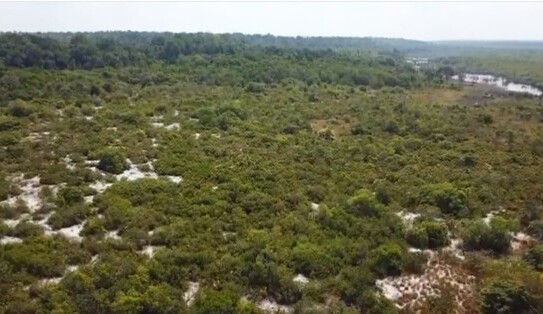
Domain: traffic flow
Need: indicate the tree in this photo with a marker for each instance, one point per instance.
(388, 259)
(216, 302)
(112, 161)
(504, 296)
(447, 198)
(429, 234)
(534, 257)
(365, 203)
(495, 237)
(19, 108)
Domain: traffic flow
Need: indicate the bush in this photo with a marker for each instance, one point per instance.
(495, 237)
(447, 198)
(428, 234)
(535, 229)
(417, 237)
(534, 257)
(388, 260)
(437, 234)
(504, 296)
(112, 161)
(4, 188)
(365, 203)
(215, 302)
(19, 108)
(70, 195)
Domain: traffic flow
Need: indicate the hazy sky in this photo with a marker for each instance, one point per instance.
(415, 20)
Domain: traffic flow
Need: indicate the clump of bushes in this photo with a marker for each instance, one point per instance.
(494, 237)
(504, 296)
(365, 203)
(449, 199)
(112, 161)
(428, 234)
(388, 259)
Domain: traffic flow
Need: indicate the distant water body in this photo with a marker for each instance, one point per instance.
(499, 82)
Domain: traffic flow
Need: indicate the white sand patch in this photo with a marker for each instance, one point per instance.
(410, 292)
(197, 135)
(489, 216)
(173, 126)
(37, 136)
(149, 250)
(407, 217)
(94, 258)
(157, 124)
(300, 279)
(113, 235)
(315, 206)
(414, 250)
(134, 173)
(112, 128)
(214, 188)
(49, 281)
(88, 118)
(175, 113)
(92, 162)
(388, 289)
(270, 306)
(100, 186)
(194, 120)
(228, 235)
(12, 223)
(520, 241)
(30, 190)
(190, 295)
(10, 240)
(157, 118)
(455, 248)
(71, 268)
(154, 143)
(89, 199)
(175, 179)
(70, 165)
(71, 233)
(216, 135)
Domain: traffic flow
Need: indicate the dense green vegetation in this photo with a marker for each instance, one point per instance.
(294, 162)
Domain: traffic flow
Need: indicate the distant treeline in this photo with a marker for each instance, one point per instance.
(220, 58)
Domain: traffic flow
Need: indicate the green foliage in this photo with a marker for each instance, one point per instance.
(213, 302)
(388, 259)
(450, 200)
(428, 234)
(495, 237)
(4, 188)
(365, 203)
(279, 127)
(19, 108)
(504, 297)
(112, 161)
(534, 257)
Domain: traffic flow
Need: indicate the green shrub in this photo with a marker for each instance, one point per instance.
(447, 198)
(112, 161)
(504, 296)
(534, 257)
(215, 302)
(388, 259)
(19, 108)
(495, 237)
(365, 203)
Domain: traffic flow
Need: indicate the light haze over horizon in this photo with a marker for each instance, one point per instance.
(410, 20)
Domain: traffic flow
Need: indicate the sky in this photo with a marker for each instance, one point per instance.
(401, 19)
